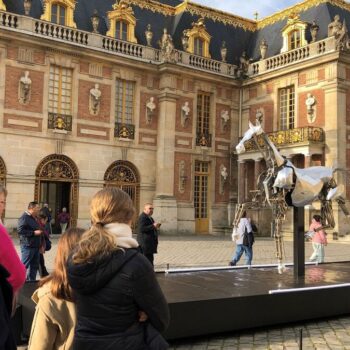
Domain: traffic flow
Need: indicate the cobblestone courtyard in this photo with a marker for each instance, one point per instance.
(215, 251)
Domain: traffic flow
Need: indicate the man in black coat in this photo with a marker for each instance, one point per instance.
(148, 232)
(29, 238)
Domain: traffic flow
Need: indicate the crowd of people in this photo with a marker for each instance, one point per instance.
(102, 292)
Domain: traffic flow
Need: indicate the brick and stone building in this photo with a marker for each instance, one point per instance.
(151, 95)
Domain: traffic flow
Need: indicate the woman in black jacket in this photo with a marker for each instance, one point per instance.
(119, 302)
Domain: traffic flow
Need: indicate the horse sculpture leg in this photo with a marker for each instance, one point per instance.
(279, 210)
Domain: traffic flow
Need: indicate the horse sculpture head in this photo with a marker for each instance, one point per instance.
(253, 130)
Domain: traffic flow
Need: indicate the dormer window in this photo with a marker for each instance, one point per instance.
(294, 39)
(121, 30)
(198, 46)
(122, 22)
(2, 6)
(58, 14)
(198, 39)
(294, 34)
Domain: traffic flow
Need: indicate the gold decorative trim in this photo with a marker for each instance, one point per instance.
(122, 12)
(68, 4)
(300, 7)
(2, 6)
(216, 15)
(196, 9)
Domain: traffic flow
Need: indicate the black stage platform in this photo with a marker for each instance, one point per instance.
(230, 299)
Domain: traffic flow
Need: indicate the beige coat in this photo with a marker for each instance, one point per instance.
(53, 323)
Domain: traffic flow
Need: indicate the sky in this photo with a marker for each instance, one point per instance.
(247, 8)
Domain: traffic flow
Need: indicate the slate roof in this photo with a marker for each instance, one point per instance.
(237, 39)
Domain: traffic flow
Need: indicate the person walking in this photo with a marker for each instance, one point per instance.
(319, 239)
(244, 226)
(119, 302)
(55, 315)
(30, 237)
(44, 242)
(12, 278)
(148, 232)
(46, 210)
(63, 219)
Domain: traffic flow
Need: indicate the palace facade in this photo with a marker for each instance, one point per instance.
(150, 96)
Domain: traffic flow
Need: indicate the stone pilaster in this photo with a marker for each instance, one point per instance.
(241, 181)
(164, 202)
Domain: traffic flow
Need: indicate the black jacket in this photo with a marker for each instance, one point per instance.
(26, 227)
(147, 234)
(109, 294)
(7, 341)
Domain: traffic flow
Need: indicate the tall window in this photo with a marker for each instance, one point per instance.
(287, 107)
(203, 113)
(294, 39)
(124, 101)
(121, 30)
(198, 46)
(58, 14)
(60, 90)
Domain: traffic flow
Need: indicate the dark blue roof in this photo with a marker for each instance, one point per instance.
(237, 39)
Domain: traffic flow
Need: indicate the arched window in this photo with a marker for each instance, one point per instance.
(121, 30)
(294, 39)
(293, 34)
(58, 14)
(198, 48)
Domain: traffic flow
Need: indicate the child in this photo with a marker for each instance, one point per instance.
(319, 239)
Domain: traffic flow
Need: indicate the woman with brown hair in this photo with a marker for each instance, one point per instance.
(55, 316)
(115, 287)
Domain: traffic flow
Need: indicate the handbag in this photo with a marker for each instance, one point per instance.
(48, 243)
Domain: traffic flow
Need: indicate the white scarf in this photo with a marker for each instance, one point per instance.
(123, 234)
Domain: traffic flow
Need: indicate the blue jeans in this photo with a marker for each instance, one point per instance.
(30, 259)
(240, 249)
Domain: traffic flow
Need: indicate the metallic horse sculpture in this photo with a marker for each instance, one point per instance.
(281, 178)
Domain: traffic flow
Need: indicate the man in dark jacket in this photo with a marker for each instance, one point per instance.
(148, 235)
(29, 234)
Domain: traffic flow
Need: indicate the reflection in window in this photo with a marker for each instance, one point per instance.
(198, 46)
(58, 14)
(60, 90)
(287, 108)
(121, 30)
(124, 101)
(294, 39)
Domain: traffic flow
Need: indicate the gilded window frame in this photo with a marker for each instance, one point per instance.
(68, 4)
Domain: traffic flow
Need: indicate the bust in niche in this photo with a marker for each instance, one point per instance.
(24, 88)
(150, 108)
(225, 117)
(185, 114)
(95, 99)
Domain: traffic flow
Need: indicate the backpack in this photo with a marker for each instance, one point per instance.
(248, 238)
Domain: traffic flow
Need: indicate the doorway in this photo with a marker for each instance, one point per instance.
(56, 183)
(57, 196)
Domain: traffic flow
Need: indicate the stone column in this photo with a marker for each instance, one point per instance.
(164, 202)
(307, 160)
(335, 105)
(241, 181)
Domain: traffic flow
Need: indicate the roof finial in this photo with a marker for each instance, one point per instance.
(256, 15)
